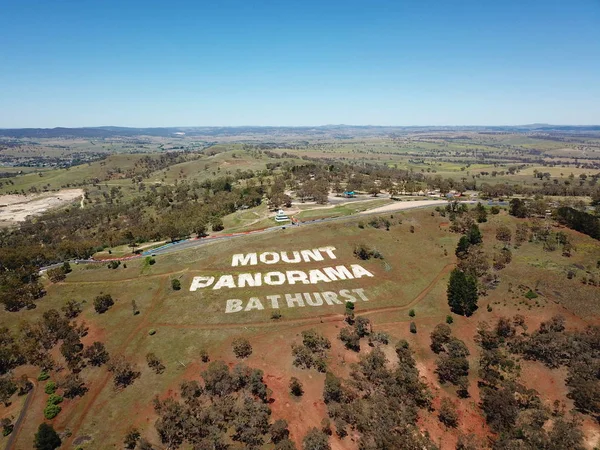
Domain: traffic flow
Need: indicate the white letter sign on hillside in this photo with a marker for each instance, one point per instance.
(300, 277)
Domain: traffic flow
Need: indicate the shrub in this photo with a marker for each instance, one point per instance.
(531, 295)
(241, 348)
(51, 411)
(50, 387)
(176, 284)
(411, 313)
(43, 376)
(54, 399)
(276, 315)
(449, 320)
(7, 426)
(114, 264)
(152, 332)
(413, 328)
(296, 387)
(204, 355)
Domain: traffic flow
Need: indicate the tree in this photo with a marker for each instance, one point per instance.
(362, 327)
(350, 339)
(463, 247)
(124, 372)
(279, 431)
(96, 354)
(503, 234)
(315, 440)
(522, 233)
(241, 348)
(103, 302)
(518, 208)
(175, 284)
(154, 363)
(217, 224)
(7, 389)
(462, 293)
(56, 274)
(46, 438)
(349, 313)
(413, 328)
(71, 309)
(296, 387)
(332, 391)
(447, 414)
(480, 213)
(474, 235)
(73, 386)
(131, 438)
(440, 336)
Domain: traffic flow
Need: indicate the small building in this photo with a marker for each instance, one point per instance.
(281, 217)
(349, 194)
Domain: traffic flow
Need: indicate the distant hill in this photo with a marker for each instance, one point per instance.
(339, 131)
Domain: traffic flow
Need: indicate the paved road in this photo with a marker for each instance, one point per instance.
(196, 242)
(13, 436)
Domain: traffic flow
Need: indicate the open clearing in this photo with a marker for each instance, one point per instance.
(16, 208)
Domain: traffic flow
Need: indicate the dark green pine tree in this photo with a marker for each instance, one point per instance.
(480, 213)
(46, 438)
(474, 235)
(462, 293)
(463, 247)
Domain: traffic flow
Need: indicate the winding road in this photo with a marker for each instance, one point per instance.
(186, 244)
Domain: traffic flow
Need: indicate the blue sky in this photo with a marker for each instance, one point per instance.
(229, 62)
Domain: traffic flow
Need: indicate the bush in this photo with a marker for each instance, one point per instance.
(152, 332)
(43, 376)
(531, 295)
(204, 355)
(54, 399)
(411, 313)
(176, 284)
(296, 387)
(413, 328)
(50, 387)
(449, 320)
(51, 411)
(114, 264)
(241, 348)
(276, 315)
